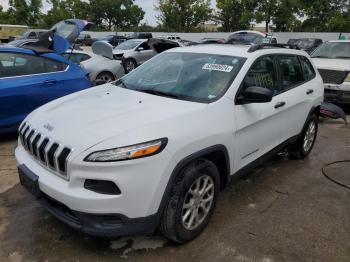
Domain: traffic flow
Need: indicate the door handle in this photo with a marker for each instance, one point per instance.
(50, 82)
(309, 91)
(280, 104)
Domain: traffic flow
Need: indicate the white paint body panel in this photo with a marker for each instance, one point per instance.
(108, 116)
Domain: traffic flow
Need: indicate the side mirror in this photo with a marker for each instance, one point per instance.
(255, 94)
(140, 49)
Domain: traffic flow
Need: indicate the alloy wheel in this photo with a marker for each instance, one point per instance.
(309, 137)
(198, 202)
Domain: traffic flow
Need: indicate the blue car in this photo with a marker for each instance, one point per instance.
(36, 74)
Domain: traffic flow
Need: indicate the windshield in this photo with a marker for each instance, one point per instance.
(305, 43)
(186, 76)
(127, 45)
(247, 38)
(333, 50)
(25, 34)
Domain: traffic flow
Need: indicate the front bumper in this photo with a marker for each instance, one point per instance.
(337, 96)
(107, 225)
(142, 184)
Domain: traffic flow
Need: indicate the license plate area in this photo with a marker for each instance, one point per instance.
(29, 180)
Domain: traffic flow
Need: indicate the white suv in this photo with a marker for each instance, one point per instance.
(332, 61)
(154, 149)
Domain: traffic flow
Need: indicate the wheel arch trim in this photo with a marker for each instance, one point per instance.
(184, 162)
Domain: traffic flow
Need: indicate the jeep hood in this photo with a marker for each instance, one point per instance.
(87, 118)
(332, 64)
(60, 37)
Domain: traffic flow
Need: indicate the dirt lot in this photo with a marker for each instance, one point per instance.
(284, 211)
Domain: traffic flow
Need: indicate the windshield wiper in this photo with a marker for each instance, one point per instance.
(158, 93)
(320, 56)
(342, 57)
(121, 82)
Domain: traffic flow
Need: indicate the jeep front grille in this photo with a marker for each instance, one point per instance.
(333, 76)
(46, 151)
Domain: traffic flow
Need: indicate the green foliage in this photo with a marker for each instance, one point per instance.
(286, 15)
(117, 14)
(234, 15)
(183, 15)
(186, 15)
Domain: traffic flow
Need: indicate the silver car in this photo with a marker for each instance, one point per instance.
(100, 64)
(134, 52)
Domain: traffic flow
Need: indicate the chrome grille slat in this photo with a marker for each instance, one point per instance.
(24, 136)
(42, 148)
(48, 152)
(51, 155)
(35, 145)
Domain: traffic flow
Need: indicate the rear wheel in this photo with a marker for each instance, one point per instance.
(305, 143)
(105, 77)
(192, 202)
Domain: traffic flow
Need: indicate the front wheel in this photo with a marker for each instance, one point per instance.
(129, 65)
(305, 143)
(192, 201)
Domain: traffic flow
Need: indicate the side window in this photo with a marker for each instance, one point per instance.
(12, 64)
(291, 71)
(308, 70)
(145, 46)
(32, 35)
(262, 74)
(54, 66)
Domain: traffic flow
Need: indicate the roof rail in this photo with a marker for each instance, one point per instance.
(254, 48)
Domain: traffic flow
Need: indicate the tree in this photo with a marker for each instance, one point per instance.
(64, 9)
(323, 15)
(18, 12)
(35, 13)
(121, 14)
(265, 11)
(183, 15)
(286, 15)
(234, 14)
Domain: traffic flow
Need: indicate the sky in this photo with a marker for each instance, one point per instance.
(146, 5)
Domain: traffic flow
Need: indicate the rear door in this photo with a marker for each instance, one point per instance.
(258, 125)
(295, 90)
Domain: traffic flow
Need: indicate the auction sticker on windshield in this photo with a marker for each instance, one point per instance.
(218, 67)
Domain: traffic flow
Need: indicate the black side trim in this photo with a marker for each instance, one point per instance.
(264, 158)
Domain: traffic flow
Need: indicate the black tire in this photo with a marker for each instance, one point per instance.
(172, 225)
(298, 150)
(105, 77)
(129, 65)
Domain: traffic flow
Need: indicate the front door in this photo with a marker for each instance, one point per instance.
(145, 53)
(258, 125)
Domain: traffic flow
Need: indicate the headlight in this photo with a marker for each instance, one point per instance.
(128, 152)
(347, 79)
